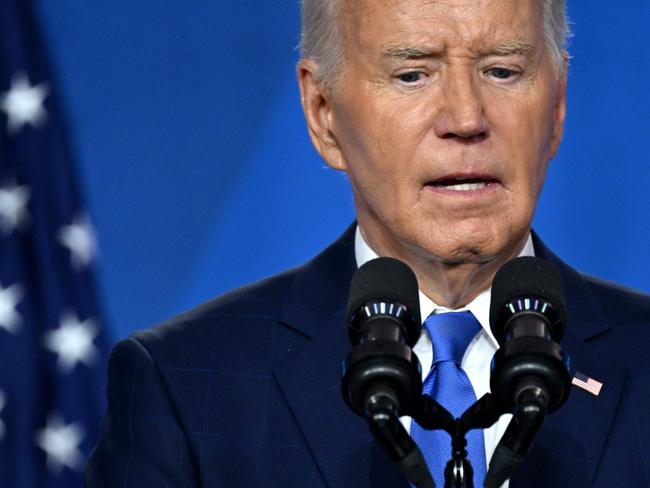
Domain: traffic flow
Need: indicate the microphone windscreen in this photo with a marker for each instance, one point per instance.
(384, 279)
(525, 277)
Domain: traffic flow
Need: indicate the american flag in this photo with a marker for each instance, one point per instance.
(52, 349)
(586, 383)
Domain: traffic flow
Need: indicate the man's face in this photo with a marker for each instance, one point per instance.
(445, 119)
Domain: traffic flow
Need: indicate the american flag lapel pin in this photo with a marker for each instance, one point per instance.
(586, 383)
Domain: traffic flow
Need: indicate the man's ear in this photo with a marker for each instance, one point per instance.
(317, 105)
(559, 113)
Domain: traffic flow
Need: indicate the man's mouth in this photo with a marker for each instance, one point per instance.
(463, 182)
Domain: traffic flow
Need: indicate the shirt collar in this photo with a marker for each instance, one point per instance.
(480, 306)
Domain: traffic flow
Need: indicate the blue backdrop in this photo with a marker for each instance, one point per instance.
(200, 177)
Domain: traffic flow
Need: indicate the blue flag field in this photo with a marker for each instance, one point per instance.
(52, 349)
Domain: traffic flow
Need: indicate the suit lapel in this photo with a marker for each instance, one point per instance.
(568, 448)
(311, 379)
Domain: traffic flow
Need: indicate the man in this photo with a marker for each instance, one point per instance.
(444, 115)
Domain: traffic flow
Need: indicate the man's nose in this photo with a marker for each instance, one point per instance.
(461, 112)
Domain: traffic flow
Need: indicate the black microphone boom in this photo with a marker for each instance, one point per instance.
(381, 376)
(530, 372)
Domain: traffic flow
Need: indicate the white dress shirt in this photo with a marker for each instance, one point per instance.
(477, 358)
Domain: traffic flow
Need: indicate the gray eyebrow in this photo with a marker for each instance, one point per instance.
(510, 48)
(407, 52)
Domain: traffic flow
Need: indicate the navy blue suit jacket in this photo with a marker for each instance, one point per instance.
(244, 391)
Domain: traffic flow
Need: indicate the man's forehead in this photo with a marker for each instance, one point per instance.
(496, 19)
(385, 31)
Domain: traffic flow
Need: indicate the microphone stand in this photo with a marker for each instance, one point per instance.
(391, 435)
(518, 437)
(481, 415)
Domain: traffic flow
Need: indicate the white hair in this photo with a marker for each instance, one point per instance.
(320, 38)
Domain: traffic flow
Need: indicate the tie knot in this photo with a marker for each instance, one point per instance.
(450, 334)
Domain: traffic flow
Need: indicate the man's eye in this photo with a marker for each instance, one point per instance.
(410, 77)
(501, 73)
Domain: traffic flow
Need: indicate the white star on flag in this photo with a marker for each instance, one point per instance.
(9, 298)
(23, 103)
(13, 207)
(61, 444)
(73, 342)
(3, 402)
(79, 237)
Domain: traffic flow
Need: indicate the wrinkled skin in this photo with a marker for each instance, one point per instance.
(433, 93)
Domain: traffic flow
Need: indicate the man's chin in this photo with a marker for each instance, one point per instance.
(466, 256)
(468, 244)
(463, 255)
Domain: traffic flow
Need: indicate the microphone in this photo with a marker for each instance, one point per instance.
(530, 373)
(382, 377)
(383, 318)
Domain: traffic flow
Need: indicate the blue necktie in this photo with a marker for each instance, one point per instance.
(448, 384)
